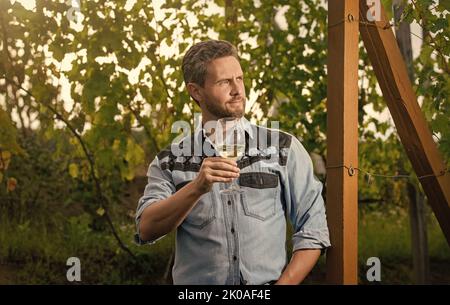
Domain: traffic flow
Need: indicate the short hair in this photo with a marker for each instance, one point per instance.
(196, 59)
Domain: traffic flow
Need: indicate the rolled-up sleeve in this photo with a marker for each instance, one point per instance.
(304, 202)
(160, 186)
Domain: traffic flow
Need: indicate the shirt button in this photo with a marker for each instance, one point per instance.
(232, 230)
(229, 202)
(234, 257)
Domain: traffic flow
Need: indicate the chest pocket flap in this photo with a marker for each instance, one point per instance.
(258, 180)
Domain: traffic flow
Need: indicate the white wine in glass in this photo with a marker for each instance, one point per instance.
(230, 144)
(232, 152)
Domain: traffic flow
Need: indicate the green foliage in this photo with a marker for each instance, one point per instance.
(284, 64)
(432, 85)
(8, 138)
(386, 235)
(43, 260)
(432, 67)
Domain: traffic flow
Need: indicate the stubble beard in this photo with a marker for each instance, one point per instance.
(219, 112)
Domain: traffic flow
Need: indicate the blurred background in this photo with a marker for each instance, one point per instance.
(89, 91)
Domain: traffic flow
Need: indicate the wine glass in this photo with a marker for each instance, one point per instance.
(230, 144)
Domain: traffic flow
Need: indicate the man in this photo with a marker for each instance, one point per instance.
(225, 239)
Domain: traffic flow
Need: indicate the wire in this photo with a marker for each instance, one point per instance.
(351, 170)
(350, 18)
(386, 26)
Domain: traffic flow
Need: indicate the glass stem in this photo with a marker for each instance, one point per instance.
(234, 184)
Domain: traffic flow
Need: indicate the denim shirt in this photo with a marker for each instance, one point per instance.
(242, 238)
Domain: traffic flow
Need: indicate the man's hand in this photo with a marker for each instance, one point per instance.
(165, 215)
(215, 169)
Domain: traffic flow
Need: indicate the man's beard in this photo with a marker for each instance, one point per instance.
(219, 112)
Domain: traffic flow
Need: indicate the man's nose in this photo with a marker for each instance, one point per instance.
(235, 88)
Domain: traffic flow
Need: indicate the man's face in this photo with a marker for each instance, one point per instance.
(223, 94)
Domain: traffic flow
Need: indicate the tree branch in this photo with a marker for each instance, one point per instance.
(100, 196)
(146, 129)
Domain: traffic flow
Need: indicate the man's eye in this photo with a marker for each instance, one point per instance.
(225, 82)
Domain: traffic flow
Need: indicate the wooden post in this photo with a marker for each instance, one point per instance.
(403, 36)
(409, 120)
(417, 219)
(419, 240)
(342, 141)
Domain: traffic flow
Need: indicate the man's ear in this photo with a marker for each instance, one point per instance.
(194, 91)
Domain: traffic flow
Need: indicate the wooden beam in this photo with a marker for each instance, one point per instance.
(409, 120)
(342, 141)
(417, 216)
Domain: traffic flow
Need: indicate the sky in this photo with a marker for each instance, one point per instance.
(169, 51)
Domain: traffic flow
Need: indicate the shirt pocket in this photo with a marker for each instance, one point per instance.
(203, 212)
(259, 194)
